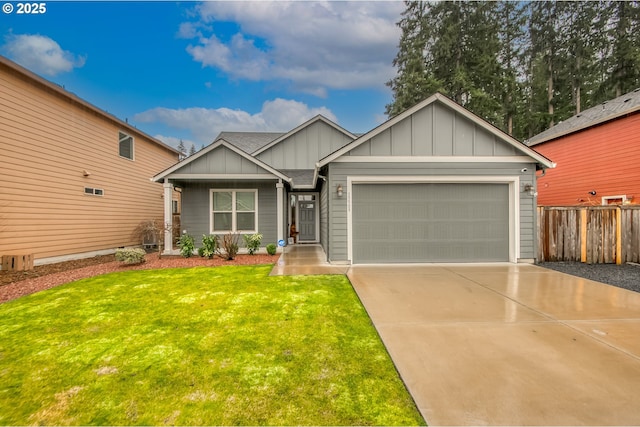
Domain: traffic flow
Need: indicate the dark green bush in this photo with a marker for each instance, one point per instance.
(252, 242)
(271, 248)
(209, 244)
(187, 245)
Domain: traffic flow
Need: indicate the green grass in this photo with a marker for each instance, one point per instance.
(199, 346)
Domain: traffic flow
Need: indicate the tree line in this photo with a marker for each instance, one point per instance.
(523, 66)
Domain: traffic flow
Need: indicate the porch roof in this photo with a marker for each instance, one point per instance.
(301, 178)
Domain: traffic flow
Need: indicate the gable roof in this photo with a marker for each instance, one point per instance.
(249, 141)
(74, 99)
(610, 110)
(220, 143)
(318, 118)
(438, 97)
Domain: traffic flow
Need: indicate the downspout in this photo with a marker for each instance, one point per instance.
(280, 209)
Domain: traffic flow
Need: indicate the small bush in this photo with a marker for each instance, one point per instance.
(130, 256)
(209, 244)
(187, 245)
(271, 248)
(228, 248)
(252, 242)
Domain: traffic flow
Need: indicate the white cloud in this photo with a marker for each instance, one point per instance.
(41, 54)
(279, 115)
(314, 45)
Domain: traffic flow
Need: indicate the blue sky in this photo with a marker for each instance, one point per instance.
(188, 70)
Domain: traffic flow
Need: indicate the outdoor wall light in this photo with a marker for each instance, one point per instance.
(529, 188)
(593, 192)
(339, 190)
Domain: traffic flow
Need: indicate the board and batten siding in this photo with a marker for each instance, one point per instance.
(338, 173)
(222, 161)
(48, 141)
(196, 206)
(435, 130)
(304, 148)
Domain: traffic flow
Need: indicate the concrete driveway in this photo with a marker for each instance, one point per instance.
(508, 344)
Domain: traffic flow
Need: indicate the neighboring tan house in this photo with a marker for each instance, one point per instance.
(598, 156)
(433, 184)
(74, 180)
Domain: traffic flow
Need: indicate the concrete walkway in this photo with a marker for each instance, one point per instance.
(508, 344)
(305, 259)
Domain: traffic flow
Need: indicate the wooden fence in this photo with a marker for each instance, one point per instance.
(591, 234)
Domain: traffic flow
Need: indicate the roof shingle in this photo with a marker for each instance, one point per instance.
(625, 104)
(249, 142)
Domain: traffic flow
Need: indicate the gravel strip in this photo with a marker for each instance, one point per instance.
(625, 276)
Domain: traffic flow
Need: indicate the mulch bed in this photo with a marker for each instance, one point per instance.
(14, 284)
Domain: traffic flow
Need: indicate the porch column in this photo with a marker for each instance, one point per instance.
(168, 217)
(280, 204)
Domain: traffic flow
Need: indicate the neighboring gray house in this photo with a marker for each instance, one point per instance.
(433, 184)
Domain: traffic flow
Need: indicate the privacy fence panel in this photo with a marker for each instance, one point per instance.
(595, 234)
(631, 234)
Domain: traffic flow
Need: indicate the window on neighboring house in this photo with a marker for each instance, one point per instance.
(94, 191)
(614, 200)
(126, 146)
(174, 204)
(234, 211)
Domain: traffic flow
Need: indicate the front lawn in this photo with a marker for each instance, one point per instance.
(198, 346)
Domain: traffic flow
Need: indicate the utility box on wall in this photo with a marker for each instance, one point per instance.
(17, 262)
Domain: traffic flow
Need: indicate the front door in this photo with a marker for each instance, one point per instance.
(307, 221)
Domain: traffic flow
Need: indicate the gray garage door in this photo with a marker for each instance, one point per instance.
(431, 222)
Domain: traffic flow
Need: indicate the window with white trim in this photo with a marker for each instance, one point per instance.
(125, 146)
(94, 191)
(234, 211)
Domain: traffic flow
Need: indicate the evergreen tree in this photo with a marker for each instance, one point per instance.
(543, 30)
(582, 37)
(624, 63)
(182, 149)
(413, 83)
(192, 150)
(523, 66)
(511, 18)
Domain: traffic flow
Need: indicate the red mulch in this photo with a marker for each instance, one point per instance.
(14, 284)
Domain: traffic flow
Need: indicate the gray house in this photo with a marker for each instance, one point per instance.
(433, 184)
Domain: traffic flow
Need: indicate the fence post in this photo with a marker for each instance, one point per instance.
(583, 235)
(618, 236)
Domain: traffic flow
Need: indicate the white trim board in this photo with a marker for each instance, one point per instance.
(231, 176)
(514, 201)
(434, 159)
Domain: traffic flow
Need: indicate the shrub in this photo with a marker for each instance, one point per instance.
(130, 256)
(151, 232)
(187, 245)
(252, 242)
(209, 244)
(228, 248)
(271, 248)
